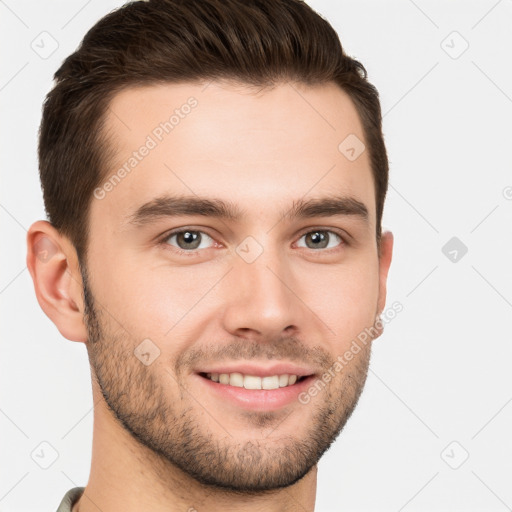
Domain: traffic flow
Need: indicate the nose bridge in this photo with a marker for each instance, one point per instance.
(263, 300)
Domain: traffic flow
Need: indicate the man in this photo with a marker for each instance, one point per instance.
(214, 175)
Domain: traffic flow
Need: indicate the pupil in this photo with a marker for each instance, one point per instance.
(189, 237)
(317, 238)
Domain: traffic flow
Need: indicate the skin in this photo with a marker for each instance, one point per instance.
(162, 440)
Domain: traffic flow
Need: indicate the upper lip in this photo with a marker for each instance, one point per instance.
(259, 370)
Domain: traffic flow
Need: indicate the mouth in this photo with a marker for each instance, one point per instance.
(261, 393)
(246, 381)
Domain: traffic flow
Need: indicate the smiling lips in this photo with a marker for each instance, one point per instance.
(253, 381)
(252, 376)
(256, 387)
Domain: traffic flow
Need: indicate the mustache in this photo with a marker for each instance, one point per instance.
(289, 349)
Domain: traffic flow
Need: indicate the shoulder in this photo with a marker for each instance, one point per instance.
(70, 498)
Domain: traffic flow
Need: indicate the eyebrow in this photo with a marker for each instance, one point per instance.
(176, 206)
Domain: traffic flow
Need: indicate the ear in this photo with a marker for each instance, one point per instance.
(53, 264)
(385, 255)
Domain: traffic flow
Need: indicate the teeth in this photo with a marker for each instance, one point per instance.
(249, 381)
(270, 382)
(252, 381)
(236, 379)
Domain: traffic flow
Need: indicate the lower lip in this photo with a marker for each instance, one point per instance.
(257, 399)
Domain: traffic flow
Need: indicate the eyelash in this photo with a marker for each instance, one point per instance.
(196, 252)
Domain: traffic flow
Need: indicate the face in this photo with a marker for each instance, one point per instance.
(239, 246)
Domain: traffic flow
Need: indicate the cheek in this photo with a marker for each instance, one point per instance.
(155, 299)
(349, 301)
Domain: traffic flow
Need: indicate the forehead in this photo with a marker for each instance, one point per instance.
(260, 148)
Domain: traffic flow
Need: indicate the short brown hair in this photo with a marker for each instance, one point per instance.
(256, 42)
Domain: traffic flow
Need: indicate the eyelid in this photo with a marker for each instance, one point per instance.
(337, 231)
(343, 235)
(161, 240)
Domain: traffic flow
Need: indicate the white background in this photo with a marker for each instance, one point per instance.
(440, 387)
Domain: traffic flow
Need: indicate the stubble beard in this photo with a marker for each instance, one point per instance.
(176, 436)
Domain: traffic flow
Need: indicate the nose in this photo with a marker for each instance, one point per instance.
(261, 299)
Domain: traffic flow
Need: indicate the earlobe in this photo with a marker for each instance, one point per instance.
(385, 256)
(53, 265)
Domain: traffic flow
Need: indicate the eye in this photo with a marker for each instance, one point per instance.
(187, 240)
(321, 239)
